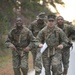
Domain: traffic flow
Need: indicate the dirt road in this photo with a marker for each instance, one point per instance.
(7, 69)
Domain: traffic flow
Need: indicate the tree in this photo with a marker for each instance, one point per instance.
(6, 16)
(29, 9)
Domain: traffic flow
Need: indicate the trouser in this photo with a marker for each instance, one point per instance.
(52, 63)
(17, 71)
(37, 73)
(57, 64)
(20, 63)
(65, 59)
(34, 52)
(38, 62)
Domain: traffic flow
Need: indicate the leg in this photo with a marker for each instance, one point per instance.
(65, 60)
(46, 64)
(38, 63)
(16, 65)
(17, 71)
(24, 63)
(56, 64)
(24, 71)
(37, 73)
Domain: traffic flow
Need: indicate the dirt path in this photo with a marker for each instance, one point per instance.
(7, 68)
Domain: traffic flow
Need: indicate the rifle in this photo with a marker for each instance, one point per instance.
(18, 53)
(70, 44)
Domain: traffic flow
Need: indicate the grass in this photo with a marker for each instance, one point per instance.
(4, 60)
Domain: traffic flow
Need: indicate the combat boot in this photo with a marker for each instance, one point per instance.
(65, 72)
(37, 73)
(17, 71)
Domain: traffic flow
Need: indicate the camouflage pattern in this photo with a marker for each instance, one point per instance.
(35, 28)
(38, 62)
(20, 39)
(42, 16)
(52, 56)
(69, 31)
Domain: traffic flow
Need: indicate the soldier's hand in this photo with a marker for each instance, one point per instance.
(26, 49)
(60, 46)
(12, 47)
(40, 45)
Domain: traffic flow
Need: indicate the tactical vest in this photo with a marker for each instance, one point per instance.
(53, 38)
(20, 39)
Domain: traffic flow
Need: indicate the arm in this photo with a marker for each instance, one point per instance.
(31, 27)
(31, 40)
(8, 42)
(71, 30)
(63, 39)
(40, 38)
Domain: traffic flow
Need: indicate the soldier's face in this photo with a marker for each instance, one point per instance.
(19, 23)
(60, 20)
(51, 23)
(40, 21)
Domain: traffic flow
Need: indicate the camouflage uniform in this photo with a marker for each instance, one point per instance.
(69, 30)
(35, 27)
(52, 55)
(20, 39)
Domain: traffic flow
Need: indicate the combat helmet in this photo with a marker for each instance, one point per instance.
(42, 16)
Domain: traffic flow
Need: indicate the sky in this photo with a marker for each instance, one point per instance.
(68, 12)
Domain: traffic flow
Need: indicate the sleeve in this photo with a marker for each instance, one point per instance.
(40, 37)
(31, 27)
(71, 31)
(64, 39)
(9, 39)
(32, 40)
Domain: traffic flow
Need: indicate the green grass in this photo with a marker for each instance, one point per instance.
(5, 59)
